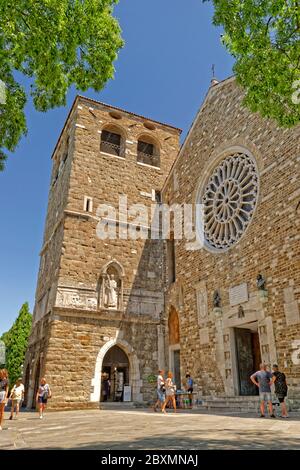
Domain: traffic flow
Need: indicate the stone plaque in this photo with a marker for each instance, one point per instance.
(291, 311)
(238, 294)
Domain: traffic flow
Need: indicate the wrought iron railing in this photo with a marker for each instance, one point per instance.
(148, 159)
(112, 149)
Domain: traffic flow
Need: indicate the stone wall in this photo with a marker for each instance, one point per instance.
(70, 295)
(269, 246)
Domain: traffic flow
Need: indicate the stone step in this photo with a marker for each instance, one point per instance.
(120, 405)
(233, 399)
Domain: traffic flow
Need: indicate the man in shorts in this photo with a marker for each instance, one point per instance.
(263, 380)
(160, 390)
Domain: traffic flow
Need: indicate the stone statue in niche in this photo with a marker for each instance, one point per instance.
(261, 285)
(217, 299)
(111, 291)
(241, 312)
(261, 282)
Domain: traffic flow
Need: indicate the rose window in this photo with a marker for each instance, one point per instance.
(229, 200)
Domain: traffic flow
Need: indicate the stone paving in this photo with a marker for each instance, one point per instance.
(143, 429)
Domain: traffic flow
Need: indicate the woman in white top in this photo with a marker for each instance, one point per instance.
(42, 396)
(170, 393)
(16, 395)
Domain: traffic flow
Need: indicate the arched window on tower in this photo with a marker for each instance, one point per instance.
(148, 151)
(112, 141)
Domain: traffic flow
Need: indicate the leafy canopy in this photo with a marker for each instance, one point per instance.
(56, 43)
(264, 38)
(16, 341)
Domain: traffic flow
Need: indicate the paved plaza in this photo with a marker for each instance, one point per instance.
(143, 429)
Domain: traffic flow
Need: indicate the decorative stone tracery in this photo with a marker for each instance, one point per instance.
(229, 199)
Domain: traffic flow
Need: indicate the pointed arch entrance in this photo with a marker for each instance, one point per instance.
(114, 374)
(118, 359)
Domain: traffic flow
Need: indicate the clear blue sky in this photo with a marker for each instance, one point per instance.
(163, 72)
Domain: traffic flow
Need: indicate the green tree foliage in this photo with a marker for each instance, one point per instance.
(16, 341)
(264, 38)
(56, 44)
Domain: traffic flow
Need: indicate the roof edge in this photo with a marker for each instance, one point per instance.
(206, 98)
(92, 100)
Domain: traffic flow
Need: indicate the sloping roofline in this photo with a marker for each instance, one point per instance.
(78, 98)
(206, 98)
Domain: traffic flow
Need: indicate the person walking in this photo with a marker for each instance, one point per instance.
(43, 393)
(190, 388)
(3, 393)
(16, 396)
(281, 389)
(263, 380)
(170, 393)
(160, 390)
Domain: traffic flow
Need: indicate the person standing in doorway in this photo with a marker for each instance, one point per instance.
(106, 387)
(160, 390)
(263, 380)
(281, 389)
(16, 396)
(42, 396)
(190, 388)
(170, 393)
(3, 393)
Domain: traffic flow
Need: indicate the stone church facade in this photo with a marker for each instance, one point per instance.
(241, 290)
(119, 308)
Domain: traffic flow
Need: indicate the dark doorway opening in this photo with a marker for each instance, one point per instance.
(177, 376)
(248, 358)
(115, 375)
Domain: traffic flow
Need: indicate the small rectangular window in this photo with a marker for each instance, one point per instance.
(156, 196)
(88, 204)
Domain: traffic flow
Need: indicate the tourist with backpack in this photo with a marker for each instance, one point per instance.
(281, 389)
(42, 396)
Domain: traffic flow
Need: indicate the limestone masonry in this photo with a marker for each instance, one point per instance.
(110, 312)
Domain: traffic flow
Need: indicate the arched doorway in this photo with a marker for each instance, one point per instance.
(133, 370)
(174, 346)
(114, 375)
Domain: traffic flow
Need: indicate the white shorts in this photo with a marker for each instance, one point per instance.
(2, 397)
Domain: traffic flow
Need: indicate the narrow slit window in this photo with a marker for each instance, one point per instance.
(88, 204)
